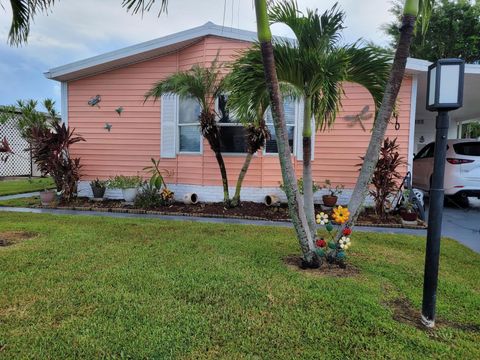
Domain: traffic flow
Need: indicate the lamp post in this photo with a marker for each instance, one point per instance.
(444, 93)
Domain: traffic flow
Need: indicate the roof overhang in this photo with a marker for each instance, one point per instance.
(144, 51)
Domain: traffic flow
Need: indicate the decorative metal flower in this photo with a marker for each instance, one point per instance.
(340, 215)
(322, 218)
(119, 110)
(108, 127)
(344, 243)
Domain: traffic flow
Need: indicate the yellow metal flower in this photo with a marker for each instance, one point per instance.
(340, 215)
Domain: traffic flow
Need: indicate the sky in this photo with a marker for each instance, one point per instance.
(74, 30)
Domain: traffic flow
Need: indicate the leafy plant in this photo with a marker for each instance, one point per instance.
(149, 198)
(50, 147)
(315, 187)
(102, 184)
(124, 182)
(157, 180)
(5, 150)
(386, 176)
(334, 191)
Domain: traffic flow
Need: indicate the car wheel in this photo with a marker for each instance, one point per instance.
(459, 200)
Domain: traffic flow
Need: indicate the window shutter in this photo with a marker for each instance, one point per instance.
(299, 130)
(168, 126)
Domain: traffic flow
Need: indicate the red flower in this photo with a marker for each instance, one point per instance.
(321, 243)
(347, 231)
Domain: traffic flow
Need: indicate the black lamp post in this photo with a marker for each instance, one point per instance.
(444, 93)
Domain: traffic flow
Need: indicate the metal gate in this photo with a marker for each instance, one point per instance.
(20, 162)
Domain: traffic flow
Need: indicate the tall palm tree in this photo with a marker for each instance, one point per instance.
(295, 201)
(204, 84)
(415, 12)
(318, 66)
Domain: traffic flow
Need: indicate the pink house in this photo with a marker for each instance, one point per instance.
(167, 129)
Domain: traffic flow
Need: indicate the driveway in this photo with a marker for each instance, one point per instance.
(463, 224)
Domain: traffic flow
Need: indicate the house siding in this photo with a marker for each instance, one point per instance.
(135, 134)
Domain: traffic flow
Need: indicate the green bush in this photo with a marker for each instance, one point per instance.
(124, 182)
(149, 198)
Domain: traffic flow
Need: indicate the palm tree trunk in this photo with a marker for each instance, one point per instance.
(223, 172)
(295, 203)
(384, 115)
(307, 166)
(236, 198)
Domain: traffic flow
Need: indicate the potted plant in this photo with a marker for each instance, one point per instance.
(47, 197)
(407, 212)
(128, 184)
(331, 198)
(98, 189)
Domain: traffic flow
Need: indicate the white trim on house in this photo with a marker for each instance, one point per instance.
(64, 102)
(413, 112)
(146, 50)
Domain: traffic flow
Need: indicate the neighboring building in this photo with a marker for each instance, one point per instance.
(167, 129)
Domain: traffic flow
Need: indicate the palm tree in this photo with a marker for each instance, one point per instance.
(295, 201)
(317, 66)
(414, 11)
(204, 84)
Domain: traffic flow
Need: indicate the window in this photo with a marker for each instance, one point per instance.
(232, 133)
(289, 109)
(467, 148)
(188, 125)
(426, 152)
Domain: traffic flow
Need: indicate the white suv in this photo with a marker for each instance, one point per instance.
(462, 169)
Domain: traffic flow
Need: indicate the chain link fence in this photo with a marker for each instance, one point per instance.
(20, 162)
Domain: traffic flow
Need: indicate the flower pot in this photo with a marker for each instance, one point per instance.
(190, 199)
(98, 192)
(46, 197)
(409, 216)
(130, 194)
(329, 200)
(271, 200)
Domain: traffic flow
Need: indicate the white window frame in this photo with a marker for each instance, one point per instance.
(178, 124)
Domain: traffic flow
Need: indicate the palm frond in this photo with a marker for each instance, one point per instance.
(141, 6)
(23, 12)
(312, 29)
(201, 83)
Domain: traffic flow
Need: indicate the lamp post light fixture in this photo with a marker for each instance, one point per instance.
(444, 94)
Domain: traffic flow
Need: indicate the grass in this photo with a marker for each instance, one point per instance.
(20, 186)
(22, 202)
(89, 287)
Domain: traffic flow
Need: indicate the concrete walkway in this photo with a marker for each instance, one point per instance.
(19, 196)
(196, 219)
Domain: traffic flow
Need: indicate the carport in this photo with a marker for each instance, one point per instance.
(424, 132)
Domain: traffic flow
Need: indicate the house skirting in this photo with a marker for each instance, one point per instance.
(214, 193)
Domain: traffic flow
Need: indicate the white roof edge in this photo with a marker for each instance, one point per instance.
(204, 30)
(419, 65)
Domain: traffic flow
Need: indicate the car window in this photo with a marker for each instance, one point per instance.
(467, 148)
(425, 152)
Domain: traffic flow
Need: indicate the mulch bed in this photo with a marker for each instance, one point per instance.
(247, 210)
(8, 238)
(294, 262)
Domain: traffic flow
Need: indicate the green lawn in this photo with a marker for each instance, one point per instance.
(10, 187)
(89, 287)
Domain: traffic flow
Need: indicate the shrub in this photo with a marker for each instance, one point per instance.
(333, 191)
(124, 182)
(386, 176)
(50, 147)
(149, 198)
